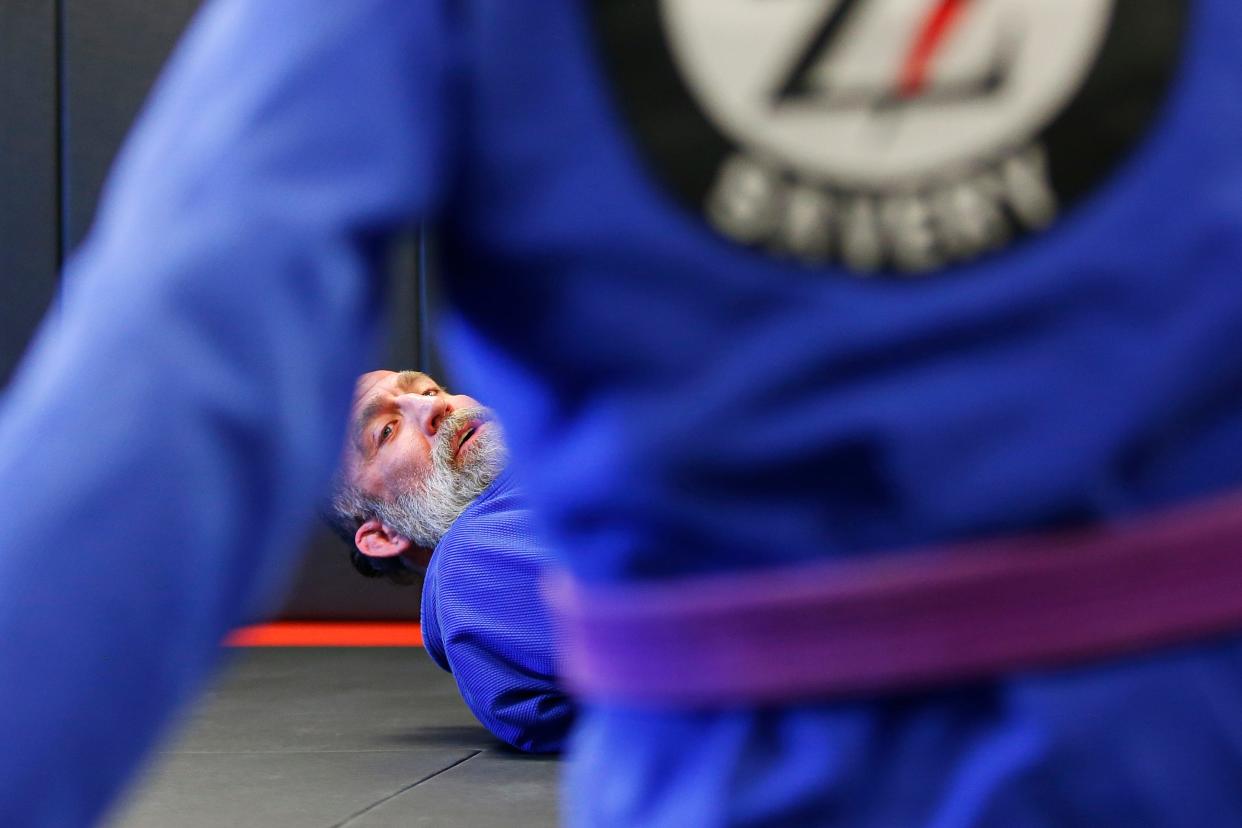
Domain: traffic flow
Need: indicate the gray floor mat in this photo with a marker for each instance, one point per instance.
(362, 737)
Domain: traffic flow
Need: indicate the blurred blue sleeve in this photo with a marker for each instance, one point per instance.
(164, 442)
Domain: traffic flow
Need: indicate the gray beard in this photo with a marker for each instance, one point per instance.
(425, 509)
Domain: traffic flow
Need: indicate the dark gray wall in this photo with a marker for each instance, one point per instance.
(113, 50)
(78, 71)
(28, 172)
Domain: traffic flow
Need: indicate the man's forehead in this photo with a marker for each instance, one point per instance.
(368, 382)
(379, 381)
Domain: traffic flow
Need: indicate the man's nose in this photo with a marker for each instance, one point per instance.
(428, 412)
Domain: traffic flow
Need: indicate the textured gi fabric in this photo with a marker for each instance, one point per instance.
(676, 404)
(484, 622)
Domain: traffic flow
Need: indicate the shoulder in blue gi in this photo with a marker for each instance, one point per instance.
(485, 622)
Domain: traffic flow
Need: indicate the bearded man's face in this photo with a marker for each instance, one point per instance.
(419, 454)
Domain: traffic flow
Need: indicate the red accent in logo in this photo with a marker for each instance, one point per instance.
(933, 34)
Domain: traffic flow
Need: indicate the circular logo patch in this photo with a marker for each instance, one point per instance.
(887, 135)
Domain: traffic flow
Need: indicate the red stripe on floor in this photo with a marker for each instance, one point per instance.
(327, 634)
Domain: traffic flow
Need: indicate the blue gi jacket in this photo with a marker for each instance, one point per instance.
(484, 622)
(678, 401)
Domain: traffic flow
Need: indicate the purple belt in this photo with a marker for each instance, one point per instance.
(907, 620)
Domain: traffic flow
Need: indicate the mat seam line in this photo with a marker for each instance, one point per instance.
(409, 787)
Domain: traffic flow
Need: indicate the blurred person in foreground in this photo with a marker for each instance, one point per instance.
(423, 488)
(873, 365)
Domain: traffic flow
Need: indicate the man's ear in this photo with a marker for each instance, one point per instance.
(375, 540)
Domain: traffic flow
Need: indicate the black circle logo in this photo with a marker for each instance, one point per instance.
(887, 135)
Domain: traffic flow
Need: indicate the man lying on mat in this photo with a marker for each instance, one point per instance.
(423, 488)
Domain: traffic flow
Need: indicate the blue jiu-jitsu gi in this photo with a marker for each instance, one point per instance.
(484, 621)
(696, 371)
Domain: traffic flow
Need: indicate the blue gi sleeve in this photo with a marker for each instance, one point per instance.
(499, 643)
(162, 445)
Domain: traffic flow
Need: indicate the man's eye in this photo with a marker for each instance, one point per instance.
(431, 392)
(385, 433)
